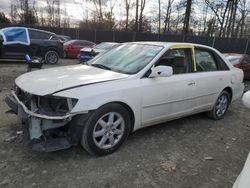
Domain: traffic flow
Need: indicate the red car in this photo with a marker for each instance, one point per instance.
(241, 61)
(72, 47)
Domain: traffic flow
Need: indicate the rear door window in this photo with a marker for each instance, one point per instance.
(205, 61)
(34, 34)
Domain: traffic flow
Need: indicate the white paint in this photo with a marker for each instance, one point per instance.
(48, 81)
(152, 100)
(161, 71)
(243, 180)
(246, 99)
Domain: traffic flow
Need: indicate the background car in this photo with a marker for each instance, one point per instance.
(241, 61)
(42, 44)
(64, 38)
(73, 47)
(88, 53)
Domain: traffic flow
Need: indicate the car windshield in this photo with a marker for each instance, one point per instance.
(127, 58)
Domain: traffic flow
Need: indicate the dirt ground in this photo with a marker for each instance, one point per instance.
(192, 152)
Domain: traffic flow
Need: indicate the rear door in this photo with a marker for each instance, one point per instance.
(1, 46)
(211, 76)
(38, 42)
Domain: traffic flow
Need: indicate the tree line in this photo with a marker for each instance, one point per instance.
(223, 18)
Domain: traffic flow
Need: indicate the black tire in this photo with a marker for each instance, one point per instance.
(51, 57)
(214, 113)
(90, 142)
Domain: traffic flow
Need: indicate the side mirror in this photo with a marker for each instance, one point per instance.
(161, 71)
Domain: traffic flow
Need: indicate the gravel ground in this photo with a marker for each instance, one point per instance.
(192, 152)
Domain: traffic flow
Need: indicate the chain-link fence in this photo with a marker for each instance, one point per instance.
(225, 45)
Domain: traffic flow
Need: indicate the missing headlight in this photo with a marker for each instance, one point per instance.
(49, 105)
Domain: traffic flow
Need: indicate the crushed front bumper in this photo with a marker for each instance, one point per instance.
(41, 132)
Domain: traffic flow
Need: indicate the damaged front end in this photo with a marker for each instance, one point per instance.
(48, 124)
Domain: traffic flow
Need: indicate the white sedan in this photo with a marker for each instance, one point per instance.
(135, 85)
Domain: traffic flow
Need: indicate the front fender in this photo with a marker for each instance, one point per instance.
(93, 96)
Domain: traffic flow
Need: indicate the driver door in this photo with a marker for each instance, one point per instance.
(165, 98)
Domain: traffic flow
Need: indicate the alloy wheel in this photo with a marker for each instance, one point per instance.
(109, 130)
(221, 105)
(52, 57)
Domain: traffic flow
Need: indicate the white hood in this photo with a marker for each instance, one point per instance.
(48, 81)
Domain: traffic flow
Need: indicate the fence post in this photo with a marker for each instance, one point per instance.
(245, 51)
(213, 41)
(95, 37)
(134, 36)
(183, 38)
(76, 33)
(113, 36)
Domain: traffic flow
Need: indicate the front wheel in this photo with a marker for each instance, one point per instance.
(106, 129)
(220, 106)
(51, 57)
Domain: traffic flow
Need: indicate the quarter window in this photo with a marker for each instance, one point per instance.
(205, 61)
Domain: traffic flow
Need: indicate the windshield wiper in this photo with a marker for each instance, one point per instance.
(101, 66)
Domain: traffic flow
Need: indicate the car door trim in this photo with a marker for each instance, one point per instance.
(174, 101)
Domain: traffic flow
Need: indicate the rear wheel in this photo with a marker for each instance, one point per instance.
(106, 129)
(51, 57)
(220, 106)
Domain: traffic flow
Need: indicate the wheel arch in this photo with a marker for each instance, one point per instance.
(52, 49)
(130, 112)
(230, 92)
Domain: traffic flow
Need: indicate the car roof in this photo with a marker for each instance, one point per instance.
(109, 43)
(74, 40)
(42, 31)
(63, 35)
(168, 44)
(81, 40)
